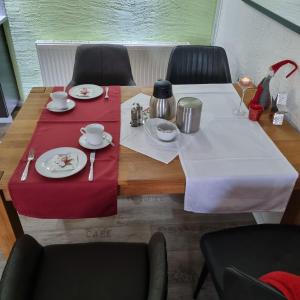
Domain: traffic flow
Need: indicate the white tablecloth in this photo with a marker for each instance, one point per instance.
(231, 165)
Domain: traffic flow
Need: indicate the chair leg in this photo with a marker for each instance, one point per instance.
(201, 280)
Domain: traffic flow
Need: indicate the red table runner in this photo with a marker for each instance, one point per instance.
(75, 196)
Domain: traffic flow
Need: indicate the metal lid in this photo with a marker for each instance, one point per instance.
(162, 89)
(189, 102)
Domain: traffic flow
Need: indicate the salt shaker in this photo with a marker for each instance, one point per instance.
(136, 115)
(281, 102)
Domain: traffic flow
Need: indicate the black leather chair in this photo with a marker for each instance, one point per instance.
(254, 250)
(93, 271)
(102, 65)
(241, 286)
(198, 65)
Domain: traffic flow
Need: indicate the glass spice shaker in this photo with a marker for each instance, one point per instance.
(136, 115)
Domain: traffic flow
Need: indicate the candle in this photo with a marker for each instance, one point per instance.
(245, 82)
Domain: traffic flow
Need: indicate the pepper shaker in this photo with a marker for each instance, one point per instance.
(136, 115)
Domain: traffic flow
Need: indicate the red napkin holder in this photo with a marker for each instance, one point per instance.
(255, 111)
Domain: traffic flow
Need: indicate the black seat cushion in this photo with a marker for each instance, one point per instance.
(241, 286)
(102, 65)
(198, 64)
(94, 271)
(20, 271)
(255, 250)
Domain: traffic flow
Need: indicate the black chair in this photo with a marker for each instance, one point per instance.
(102, 65)
(254, 250)
(198, 65)
(241, 286)
(110, 271)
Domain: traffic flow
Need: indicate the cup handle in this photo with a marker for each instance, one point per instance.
(82, 130)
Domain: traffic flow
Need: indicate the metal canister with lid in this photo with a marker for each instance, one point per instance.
(188, 114)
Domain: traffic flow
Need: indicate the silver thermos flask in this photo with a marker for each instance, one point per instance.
(162, 103)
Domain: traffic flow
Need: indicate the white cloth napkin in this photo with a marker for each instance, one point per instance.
(231, 165)
(137, 139)
(63, 162)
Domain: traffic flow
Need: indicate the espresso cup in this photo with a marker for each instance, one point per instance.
(59, 99)
(93, 133)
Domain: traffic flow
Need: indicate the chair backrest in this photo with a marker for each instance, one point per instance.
(158, 267)
(102, 65)
(198, 64)
(241, 286)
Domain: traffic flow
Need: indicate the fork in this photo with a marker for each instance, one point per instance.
(106, 92)
(92, 160)
(29, 159)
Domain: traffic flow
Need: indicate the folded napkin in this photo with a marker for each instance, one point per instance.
(84, 91)
(288, 284)
(62, 162)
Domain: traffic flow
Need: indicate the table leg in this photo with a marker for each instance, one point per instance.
(10, 225)
(292, 212)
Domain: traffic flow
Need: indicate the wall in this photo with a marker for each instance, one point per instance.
(2, 9)
(125, 20)
(253, 42)
(7, 77)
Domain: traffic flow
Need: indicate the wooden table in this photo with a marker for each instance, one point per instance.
(138, 174)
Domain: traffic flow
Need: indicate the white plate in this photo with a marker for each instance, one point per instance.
(44, 170)
(150, 128)
(94, 91)
(105, 143)
(70, 105)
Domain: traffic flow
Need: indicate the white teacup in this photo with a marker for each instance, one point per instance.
(59, 99)
(94, 133)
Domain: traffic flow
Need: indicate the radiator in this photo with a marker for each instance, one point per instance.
(148, 60)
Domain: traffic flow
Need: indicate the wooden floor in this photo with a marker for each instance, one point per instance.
(138, 218)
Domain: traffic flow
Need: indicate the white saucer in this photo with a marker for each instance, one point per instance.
(70, 105)
(106, 141)
(150, 127)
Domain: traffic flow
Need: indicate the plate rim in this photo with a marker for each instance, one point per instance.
(85, 98)
(59, 177)
(99, 147)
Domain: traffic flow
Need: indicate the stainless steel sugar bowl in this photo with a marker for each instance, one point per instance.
(162, 103)
(188, 114)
